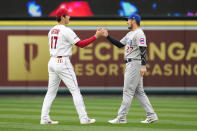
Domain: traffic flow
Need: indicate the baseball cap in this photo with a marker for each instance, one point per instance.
(134, 17)
(62, 11)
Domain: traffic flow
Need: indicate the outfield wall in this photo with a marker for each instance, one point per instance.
(172, 55)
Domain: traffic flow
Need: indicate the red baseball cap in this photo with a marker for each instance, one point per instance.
(62, 11)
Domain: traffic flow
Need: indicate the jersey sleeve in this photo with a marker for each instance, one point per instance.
(141, 40)
(49, 33)
(71, 36)
(123, 40)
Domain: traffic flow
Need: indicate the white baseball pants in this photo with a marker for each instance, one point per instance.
(62, 69)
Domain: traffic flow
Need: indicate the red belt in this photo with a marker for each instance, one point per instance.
(59, 56)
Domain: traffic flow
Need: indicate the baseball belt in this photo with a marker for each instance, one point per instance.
(130, 59)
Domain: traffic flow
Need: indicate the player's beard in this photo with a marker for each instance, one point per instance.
(130, 27)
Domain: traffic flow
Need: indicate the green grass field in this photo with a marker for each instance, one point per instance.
(23, 113)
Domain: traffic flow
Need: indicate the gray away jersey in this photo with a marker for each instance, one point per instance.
(132, 41)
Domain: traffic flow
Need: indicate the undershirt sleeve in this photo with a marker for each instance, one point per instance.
(143, 55)
(115, 42)
(83, 43)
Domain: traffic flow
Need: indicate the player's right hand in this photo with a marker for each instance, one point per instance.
(105, 34)
(99, 32)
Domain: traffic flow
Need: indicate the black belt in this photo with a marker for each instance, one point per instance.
(130, 59)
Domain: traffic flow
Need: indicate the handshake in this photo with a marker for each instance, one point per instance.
(101, 32)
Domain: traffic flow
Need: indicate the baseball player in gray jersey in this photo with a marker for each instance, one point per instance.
(135, 59)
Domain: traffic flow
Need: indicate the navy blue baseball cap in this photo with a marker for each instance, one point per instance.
(134, 17)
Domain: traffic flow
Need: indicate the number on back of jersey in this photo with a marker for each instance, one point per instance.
(53, 42)
(54, 38)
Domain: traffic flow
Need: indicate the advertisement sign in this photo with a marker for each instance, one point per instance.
(171, 59)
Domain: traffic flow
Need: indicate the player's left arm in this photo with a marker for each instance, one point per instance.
(143, 60)
(142, 46)
(143, 55)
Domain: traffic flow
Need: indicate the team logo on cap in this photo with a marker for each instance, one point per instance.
(141, 40)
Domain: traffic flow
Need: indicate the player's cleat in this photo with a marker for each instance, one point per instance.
(118, 121)
(149, 120)
(45, 122)
(87, 121)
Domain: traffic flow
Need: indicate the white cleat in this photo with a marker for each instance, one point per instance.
(149, 120)
(87, 121)
(118, 121)
(45, 122)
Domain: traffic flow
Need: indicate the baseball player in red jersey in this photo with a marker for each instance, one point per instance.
(135, 59)
(61, 40)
